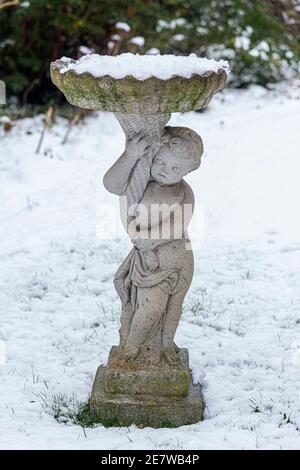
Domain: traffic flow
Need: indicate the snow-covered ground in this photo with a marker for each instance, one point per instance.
(59, 312)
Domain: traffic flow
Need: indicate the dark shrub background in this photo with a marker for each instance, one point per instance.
(260, 39)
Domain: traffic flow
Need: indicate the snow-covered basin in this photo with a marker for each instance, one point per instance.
(139, 84)
(142, 67)
(59, 249)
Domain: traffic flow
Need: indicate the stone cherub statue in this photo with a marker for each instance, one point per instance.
(147, 380)
(154, 278)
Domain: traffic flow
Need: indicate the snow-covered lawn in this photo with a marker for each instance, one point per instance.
(59, 312)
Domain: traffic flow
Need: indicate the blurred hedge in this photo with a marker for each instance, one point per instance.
(259, 38)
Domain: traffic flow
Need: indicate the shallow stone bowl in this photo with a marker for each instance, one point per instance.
(130, 95)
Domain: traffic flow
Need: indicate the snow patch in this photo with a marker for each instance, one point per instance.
(123, 26)
(138, 41)
(142, 67)
(241, 321)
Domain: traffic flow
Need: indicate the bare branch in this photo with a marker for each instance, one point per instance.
(9, 3)
(47, 121)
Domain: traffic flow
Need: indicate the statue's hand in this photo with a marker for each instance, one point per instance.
(138, 146)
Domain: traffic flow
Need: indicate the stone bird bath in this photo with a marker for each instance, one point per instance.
(147, 380)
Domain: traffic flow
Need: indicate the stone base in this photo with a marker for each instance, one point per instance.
(121, 398)
(133, 379)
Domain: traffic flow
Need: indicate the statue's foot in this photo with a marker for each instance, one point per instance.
(130, 353)
(171, 356)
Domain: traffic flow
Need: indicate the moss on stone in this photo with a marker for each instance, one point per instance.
(130, 95)
(142, 380)
(156, 410)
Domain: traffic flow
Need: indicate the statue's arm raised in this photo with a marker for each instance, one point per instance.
(117, 177)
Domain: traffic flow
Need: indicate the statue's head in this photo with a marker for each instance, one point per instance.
(179, 154)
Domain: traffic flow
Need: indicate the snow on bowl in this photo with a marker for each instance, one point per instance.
(142, 84)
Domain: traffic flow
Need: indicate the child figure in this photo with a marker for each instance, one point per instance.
(154, 278)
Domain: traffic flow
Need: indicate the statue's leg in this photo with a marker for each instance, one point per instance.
(174, 309)
(173, 314)
(125, 320)
(152, 303)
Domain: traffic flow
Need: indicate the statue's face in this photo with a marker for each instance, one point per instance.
(169, 166)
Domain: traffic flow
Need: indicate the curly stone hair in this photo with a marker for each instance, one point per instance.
(193, 145)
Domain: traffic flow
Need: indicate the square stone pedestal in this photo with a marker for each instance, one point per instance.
(158, 397)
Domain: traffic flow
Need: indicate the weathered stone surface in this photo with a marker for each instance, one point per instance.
(133, 379)
(111, 409)
(129, 95)
(154, 278)
(147, 380)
